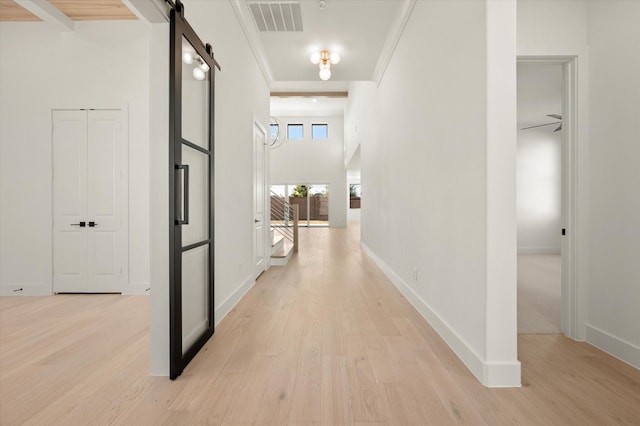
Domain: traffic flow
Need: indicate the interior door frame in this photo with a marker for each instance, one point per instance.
(266, 207)
(573, 244)
(179, 29)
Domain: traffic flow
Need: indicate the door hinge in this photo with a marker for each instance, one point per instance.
(564, 231)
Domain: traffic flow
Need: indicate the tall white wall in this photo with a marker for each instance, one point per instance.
(314, 161)
(99, 65)
(425, 216)
(359, 116)
(614, 178)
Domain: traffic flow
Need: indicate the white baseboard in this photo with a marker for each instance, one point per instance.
(26, 289)
(538, 250)
(225, 307)
(489, 374)
(621, 349)
(136, 289)
(41, 289)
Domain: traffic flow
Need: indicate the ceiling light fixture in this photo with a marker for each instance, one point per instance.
(200, 69)
(324, 59)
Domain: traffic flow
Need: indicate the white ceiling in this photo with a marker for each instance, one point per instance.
(356, 29)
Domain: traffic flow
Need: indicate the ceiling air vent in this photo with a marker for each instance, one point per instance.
(274, 16)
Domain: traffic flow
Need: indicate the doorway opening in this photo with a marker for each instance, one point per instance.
(312, 201)
(545, 196)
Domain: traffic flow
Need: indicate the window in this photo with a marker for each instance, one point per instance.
(295, 131)
(274, 132)
(319, 131)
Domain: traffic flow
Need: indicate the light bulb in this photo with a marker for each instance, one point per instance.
(334, 58)
(187, 58)
(198, 74)
(315, 58)
(204, 66)
(325, 74)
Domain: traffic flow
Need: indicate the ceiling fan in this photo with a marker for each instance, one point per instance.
(556, 116)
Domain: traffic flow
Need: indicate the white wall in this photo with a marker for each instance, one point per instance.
(551, 23)
(425, 218)
(359, 122)
(99, 65)
(310, 161)
(614, 178)
(538, 191)
(539, 158)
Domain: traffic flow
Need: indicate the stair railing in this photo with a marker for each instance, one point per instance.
(284, 218)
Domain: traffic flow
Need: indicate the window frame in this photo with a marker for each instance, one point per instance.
(326, 127)
(289, 126)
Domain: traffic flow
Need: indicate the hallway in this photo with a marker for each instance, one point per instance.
(325, 340)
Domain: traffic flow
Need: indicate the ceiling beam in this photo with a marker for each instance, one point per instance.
(310, 94)
(48, 13)
(152, 11)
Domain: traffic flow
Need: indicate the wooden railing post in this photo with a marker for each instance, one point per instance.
(296, 214)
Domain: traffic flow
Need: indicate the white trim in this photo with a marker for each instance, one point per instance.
(393, 37)
(48, 13)
(251, 33)
(136, 289)
(489, 374)
(539, 250)
(266, 212)
(28, 289)
(619, 348)
(225, 307)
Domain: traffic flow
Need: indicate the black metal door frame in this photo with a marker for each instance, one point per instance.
(180, 28)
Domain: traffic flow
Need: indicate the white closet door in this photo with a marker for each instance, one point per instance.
(90, 252)
(69, 200)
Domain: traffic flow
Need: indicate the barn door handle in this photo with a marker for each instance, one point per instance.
(92, 224)
(183, 219)
(80, 224)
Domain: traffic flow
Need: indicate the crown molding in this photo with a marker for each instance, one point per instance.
(390, 44)
(248, 28)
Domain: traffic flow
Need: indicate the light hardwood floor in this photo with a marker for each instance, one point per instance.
(325, 340)
(539, 289)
